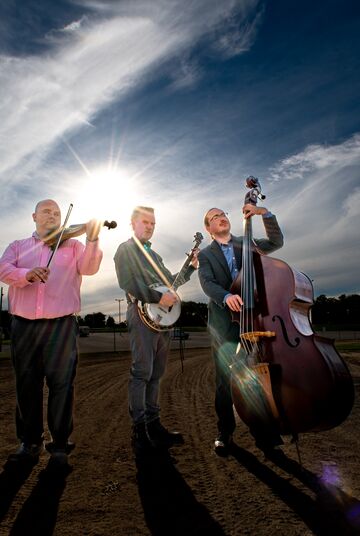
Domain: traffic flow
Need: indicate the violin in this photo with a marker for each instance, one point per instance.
(71, 232)
(285, 379)
(55, 238)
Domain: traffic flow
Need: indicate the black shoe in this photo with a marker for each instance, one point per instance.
(270, 449)
(51, 447)
(141, 441)
(223, 444)
(158, 433)
(27, 453)
(59, 463)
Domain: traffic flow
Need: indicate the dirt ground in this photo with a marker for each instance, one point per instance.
(190, 492)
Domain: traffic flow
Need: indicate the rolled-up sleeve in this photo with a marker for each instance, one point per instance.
(89, 257)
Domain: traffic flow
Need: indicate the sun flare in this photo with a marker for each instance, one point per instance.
(106, 194)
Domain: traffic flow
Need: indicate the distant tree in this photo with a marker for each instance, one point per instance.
(193, 314)
(95, 320)
(342, 310)
(110, 322)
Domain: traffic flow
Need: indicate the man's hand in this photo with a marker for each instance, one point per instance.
(93, 229)
(37, 274)
(234, 302)
(195, 261)
(250, 210)
(168, 299)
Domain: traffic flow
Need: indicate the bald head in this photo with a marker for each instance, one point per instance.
(45, 201)
(47, 217)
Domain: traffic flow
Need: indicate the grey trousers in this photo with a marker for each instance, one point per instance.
(150, 351)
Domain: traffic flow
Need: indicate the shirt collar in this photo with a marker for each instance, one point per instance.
(222, 244)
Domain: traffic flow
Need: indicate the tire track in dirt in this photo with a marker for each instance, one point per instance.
(241, 495)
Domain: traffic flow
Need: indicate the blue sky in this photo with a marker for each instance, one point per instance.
(173, 103)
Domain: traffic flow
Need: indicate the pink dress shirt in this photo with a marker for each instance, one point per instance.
(60, 294)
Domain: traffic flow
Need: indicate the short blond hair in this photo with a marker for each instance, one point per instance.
(139, 210)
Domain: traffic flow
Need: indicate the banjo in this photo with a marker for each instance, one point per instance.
(161, 318)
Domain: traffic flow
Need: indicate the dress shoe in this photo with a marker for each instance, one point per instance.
(158, 433)
(270, 449)
(51, 447)
(141, 442)
(223, 443)
(59, 458)
(27, 453)
(58, 465)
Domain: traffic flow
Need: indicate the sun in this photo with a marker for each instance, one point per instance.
(106, 194)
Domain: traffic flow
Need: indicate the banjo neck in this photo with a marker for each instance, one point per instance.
(180, 276)
(163, 318)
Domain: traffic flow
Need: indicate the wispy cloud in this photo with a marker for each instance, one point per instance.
(320, 212)
(43, 97)
(317, 157)
(240, 34)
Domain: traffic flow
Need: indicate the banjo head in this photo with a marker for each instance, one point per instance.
(163, 317)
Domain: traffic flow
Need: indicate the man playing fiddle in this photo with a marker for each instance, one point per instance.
(43, 302)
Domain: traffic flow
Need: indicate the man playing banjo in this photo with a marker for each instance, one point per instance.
(139, 269)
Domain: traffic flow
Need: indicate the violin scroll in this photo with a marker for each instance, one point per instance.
(110, 224)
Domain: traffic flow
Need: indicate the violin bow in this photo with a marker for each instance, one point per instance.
(60, 236)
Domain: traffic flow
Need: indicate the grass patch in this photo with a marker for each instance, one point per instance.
(348, 346)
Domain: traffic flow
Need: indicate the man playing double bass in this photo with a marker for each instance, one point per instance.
(220, 263)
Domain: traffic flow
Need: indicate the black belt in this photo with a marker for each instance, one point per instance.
(41, 319)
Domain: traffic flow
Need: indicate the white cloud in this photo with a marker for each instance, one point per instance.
(44, 97)
(240, 34)
(320, 212)
(318, 157)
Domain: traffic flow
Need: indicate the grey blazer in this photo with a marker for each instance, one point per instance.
(215, 277)
(136, 275)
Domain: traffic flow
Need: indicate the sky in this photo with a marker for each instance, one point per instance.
(172, 104)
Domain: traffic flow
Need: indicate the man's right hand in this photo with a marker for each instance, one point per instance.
(37, 274)
(168, 299)
(234, 302)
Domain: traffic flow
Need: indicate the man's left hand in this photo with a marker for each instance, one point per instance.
(195, 261)
(250, 210)
(93, 229)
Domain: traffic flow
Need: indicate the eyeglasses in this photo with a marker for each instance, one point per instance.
(217, 216)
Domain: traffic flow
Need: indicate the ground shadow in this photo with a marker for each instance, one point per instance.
(332, 511)
(168, 502)
(11, 479)
(39, 512)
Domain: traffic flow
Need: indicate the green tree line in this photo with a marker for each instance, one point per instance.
(343, 310)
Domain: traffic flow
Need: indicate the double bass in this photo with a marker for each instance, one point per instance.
(285, 378)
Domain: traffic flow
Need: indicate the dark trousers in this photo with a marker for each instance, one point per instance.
(223, 355)
(264, 429)
(44, 349)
